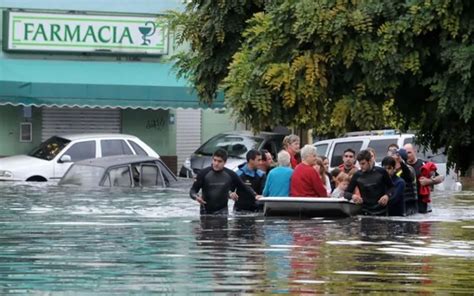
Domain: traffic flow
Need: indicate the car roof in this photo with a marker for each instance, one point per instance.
(369, 137)
(251, 134)
(73, 137)
(109, 161)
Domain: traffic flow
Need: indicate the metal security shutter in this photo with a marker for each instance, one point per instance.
(78, 121)
(188, 133)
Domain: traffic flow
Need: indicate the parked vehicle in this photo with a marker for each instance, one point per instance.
(51, 159)
(380, 140)
(119, 171)
(237, 144)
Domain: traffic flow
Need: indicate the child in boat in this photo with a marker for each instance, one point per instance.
(342, 181)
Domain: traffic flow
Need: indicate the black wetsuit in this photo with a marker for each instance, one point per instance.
(372, 184)
(216, 186)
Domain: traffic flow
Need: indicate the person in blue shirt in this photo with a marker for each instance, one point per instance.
(278, 180)
(396, 204)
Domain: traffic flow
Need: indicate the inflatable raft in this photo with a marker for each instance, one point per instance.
(309, 206)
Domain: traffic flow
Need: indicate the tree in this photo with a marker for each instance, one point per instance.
(213, 30)
(338, 65)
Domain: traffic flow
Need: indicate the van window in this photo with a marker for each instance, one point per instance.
(380, 147)
(336, 158)
(408, 140)
(322, 149)
(427, 154)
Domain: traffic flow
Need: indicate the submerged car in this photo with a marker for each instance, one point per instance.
(52, 158)
(237, 144)
(119, 171)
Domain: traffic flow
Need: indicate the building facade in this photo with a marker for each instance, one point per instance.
(89, 67)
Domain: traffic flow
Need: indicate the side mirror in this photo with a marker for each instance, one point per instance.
(65, 158)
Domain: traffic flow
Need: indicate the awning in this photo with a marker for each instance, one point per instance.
(95, 84)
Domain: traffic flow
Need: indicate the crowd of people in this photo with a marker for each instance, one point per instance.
(302, 173)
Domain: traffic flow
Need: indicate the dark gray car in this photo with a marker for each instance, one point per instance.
(120, 171)
(237, 144)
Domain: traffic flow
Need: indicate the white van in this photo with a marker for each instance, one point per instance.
(380, 140)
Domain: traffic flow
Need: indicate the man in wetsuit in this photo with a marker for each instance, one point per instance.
(374, 184)
(216, 183)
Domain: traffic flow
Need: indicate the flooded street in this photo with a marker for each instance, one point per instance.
(64, 240)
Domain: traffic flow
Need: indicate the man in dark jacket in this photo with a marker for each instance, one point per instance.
(253, 178)
(421, 181)
(396, 204)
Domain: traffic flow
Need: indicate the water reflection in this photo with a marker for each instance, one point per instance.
(61, 240)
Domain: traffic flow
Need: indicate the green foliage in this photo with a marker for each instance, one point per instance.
(338, 65)
(213, 30)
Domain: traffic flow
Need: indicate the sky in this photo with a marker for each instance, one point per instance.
(122, 6)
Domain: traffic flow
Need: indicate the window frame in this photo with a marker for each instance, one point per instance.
(133, 144)
(325, 150)
(123, 142)
(107, 176)
(161, 184)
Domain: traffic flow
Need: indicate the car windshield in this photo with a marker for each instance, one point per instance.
(83, 175)
(50, 148)
(235, 145)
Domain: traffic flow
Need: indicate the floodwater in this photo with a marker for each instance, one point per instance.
(57, 240)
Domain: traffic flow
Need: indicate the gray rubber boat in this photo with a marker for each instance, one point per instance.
(309, 206)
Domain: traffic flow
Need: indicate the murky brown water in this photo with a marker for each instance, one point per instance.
(57, 240)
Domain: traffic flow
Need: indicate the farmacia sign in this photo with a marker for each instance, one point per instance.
(28, 31)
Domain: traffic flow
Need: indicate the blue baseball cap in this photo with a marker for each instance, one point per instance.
(403, 154)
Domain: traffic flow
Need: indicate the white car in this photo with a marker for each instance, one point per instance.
(52, 158)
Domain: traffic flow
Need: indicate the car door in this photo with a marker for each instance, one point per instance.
(151, 176)
(76, 151)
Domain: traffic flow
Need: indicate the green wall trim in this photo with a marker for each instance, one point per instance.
(10, 119)
(152, 127)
